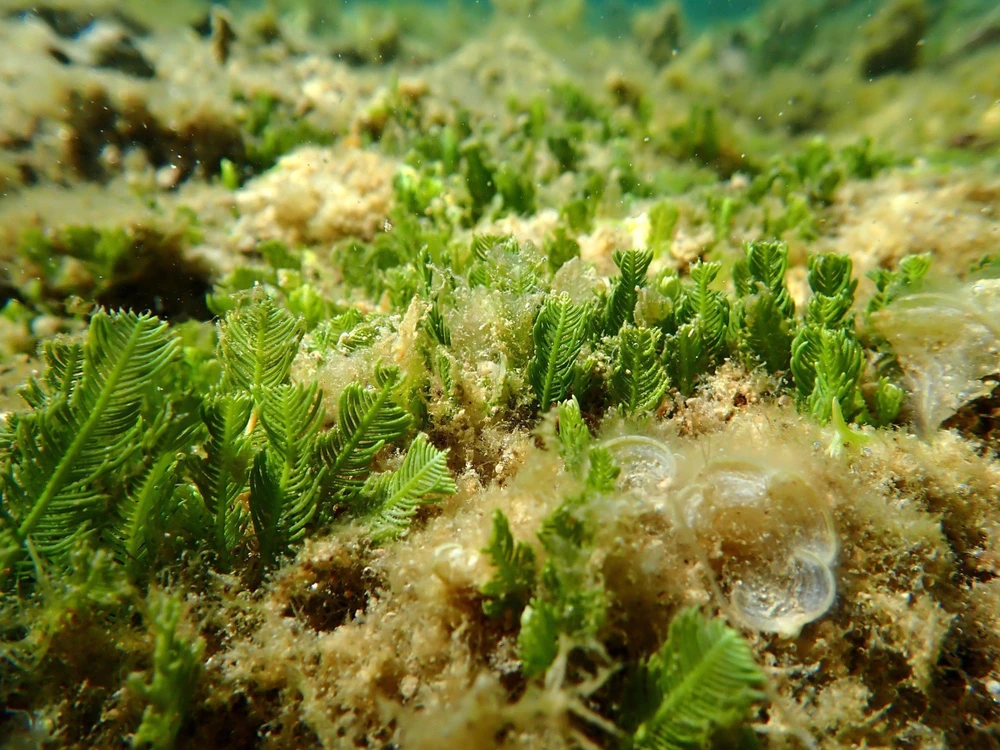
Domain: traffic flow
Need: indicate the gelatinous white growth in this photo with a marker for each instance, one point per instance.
(647, 465)
(946, 344)
(455, 564)
(751, 506)
(769, 536)
(785, 595)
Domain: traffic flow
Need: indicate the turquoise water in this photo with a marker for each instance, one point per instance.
(704, 11)
(613, 17)
(697, 12)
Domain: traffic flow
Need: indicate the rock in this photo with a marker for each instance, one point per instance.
(983, 35)
(788, 32)
(371, 38)
(70, 23)
(107, 45)
(264, 26)
(624, 90)
(660, 32)
(893, 38)
(94, 121)
(316, 195)
(223, 34)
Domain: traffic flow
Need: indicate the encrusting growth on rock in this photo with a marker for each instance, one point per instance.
(497, 382)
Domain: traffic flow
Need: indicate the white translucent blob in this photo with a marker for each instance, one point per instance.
(767, 534)
(758, 510)
(785, 595)
(647, 465)
(769, 537)
(947, 343)
(454, 564)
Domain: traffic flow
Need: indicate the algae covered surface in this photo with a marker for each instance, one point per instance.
(523, 375)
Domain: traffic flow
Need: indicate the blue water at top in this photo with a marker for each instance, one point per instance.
(696, 12)
(702, 11)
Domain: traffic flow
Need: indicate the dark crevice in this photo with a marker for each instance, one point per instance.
(69, 23)
(979, 421)
(328, 595)
(198, 144)
(156, 277)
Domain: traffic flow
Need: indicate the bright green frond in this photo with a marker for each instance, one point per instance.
(762, 318)
(145, 501)
(436, 324)
(767, 262)
(86, 426)
(889, 399)
(10, 545)
(285, 481)
(257, 342)
(559, 334)
(829, 312)
(392, 498)
(805, 351)
(764, 333)
(685, 357)
(703, 679)
(574, 435)
(602, 472)
(291, 419)
(174, 674)
(833, 291)
(444, 365)
(633, 265)
(367, 419)
(221, 474)
(266, 501)
(282, 503)
(567, 603)
(483, 244)
(708, 309)
(638, 379)
(827, 364)
(86, 582)
(63, 361)
(569, 599)
(141, 515)
(906, 279)
(831, 274)
(500, 263)
(345, 333)
(538, 639)
(514, 578)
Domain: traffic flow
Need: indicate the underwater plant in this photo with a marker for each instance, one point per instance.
(428, 388)
(702, 679)
(219, 446)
